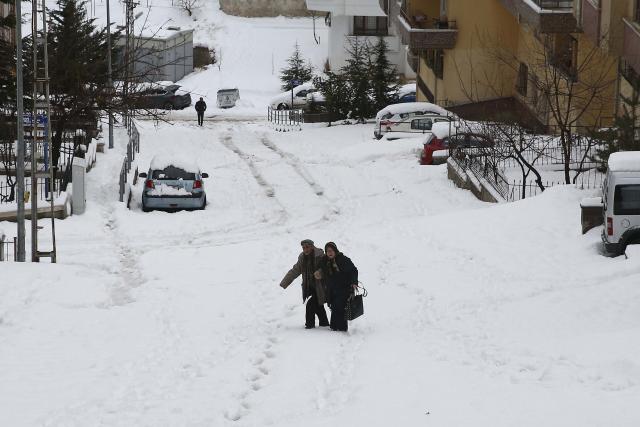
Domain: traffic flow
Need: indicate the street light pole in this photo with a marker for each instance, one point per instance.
(20, 250)
(110, 80)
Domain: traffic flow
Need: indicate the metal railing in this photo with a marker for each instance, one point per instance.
(285, 120)
(133, 147)
(7, 249)
(423, 22)
(554, 4)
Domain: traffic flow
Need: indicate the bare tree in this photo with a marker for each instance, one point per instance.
(189, 5)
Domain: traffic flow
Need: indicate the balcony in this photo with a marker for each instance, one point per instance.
(422, 33)
(591, 20)
(631, 45)
(547, 16)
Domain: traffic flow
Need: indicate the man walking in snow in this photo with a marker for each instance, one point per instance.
(312, 290)
(201, 107)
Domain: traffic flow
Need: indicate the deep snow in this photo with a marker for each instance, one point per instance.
(495, 315)
(477, 314)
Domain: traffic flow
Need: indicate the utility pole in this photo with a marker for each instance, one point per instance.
(110, 82)
(21, 253)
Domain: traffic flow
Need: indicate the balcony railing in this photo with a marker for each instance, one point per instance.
(547, 16)
(420, 32)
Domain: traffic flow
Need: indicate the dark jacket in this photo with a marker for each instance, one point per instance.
(338, 276)
(306, 268)
(201, 106)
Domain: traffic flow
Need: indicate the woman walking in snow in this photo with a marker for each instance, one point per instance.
(341, 279)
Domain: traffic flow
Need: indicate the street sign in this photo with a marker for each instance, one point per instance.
(296, 82)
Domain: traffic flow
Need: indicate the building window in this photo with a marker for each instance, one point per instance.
(435, 60)
(370, 26)
(523, 79)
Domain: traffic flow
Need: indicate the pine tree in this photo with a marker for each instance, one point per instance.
(7, 63)
(356, 72)
(77, 66)
(622, 137)
(335, 89)
(297, 69)
(383, 76)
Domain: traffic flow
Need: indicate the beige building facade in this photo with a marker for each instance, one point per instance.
(499, 58)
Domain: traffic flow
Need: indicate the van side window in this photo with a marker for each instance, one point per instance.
(626, 200)
(421, 124)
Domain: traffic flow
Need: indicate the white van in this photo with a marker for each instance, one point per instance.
(408, 119)
(621, 202)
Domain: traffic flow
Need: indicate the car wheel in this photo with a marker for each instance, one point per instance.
(168, 106)
(204, 203)
(283, 106)
(145, 209)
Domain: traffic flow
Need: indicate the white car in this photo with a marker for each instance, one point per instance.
(621, 202)
(297, 98)
(398, 120)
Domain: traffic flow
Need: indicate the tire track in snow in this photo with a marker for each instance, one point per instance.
(269, 191)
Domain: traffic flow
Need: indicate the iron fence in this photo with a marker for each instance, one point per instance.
(285, 120)
(7, 249)
(518, 190)
(46, 188)
(133, 147)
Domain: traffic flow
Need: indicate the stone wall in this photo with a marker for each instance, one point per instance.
(262, 8)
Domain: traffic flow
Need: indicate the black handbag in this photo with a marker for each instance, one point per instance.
(355, 304)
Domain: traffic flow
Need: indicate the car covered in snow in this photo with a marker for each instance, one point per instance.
(447, 135)
(406, 93)
(621, 202)
(162, 97)
(296, 98)
(171, 184)
(408, 118)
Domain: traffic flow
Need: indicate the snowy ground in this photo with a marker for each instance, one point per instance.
(478, 314)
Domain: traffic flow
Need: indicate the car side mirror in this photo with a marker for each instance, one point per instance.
(205, 175)
(142, 175)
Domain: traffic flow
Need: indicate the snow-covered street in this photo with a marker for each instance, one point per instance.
(477, 314)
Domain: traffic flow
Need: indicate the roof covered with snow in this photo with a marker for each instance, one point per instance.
(411, 107)
(347, 7)
(182, 162)
(625, 161)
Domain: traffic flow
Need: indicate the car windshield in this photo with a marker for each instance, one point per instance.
(627, 200)
(173, 173)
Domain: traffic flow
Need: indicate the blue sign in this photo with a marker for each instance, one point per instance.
(41, 119)
(296, 82)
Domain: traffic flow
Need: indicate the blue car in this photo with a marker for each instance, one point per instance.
(173, 187)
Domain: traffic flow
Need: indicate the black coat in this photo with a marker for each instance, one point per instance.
(201, 106)
(339, 282)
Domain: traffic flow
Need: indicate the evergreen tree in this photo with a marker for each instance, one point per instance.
(356, 72)
(77, 66)
(622, 137)
(7, 63)
(296, 69)
(335, 89)
(383, 76)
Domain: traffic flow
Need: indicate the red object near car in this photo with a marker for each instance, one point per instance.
(432, 145)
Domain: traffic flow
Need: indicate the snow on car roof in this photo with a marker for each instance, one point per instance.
(411, 107)
(625, 161)
(443, 129)
(406, 89)
(186, 164)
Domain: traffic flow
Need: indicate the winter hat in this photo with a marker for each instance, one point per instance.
(332, 246)
(306, 242)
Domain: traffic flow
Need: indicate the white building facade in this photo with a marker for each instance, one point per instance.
(362, 19)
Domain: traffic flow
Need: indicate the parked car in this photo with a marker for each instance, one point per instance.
(397, 117)
(284, 100)
(621, 202)
(445, 136)
(173, 185)
(226, 98)
(163, 97)
(406, 93)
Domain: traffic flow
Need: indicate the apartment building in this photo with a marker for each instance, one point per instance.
(366, 20)
(6, 33)
(490, 58)
(614, 25)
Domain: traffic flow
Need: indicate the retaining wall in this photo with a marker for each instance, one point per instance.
(264, 8)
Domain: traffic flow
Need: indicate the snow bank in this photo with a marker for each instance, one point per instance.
(411, 107)
(625, 161)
